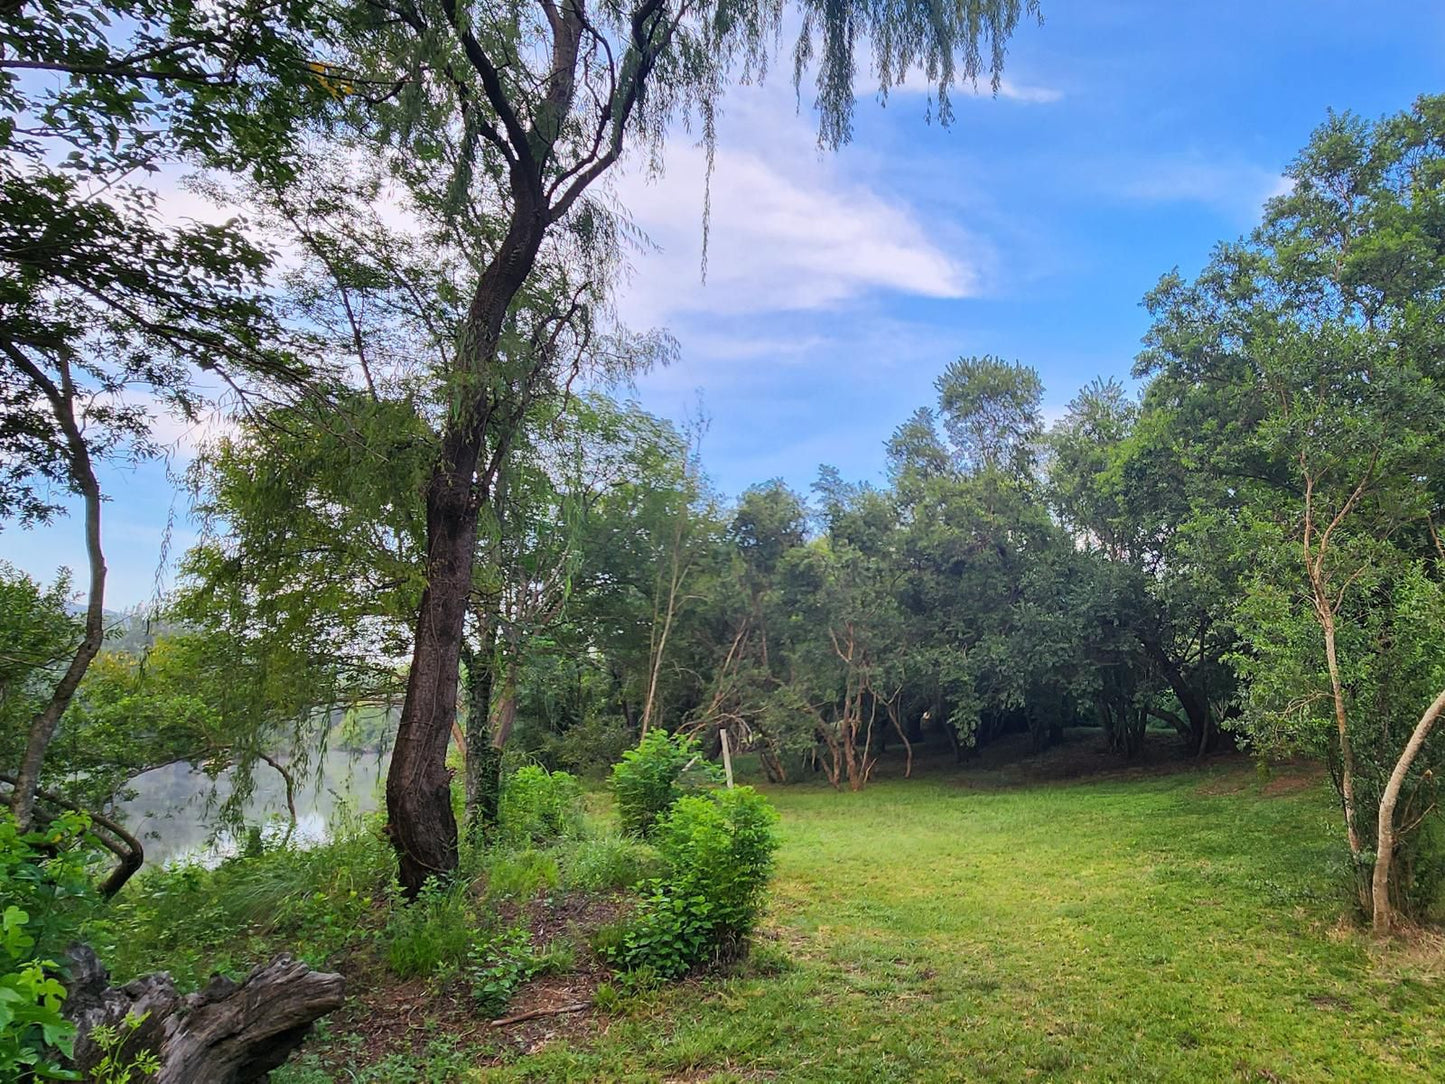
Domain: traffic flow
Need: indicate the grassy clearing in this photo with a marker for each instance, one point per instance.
(965, 925)
(1176, 928)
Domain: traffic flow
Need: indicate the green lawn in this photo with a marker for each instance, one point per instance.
(1184, 927)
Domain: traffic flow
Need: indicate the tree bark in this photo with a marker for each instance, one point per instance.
(1385, 852)
(228, 1033)
(479, 720)
(421, 824)
(1347, 752)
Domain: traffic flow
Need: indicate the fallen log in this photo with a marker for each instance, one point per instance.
(228, 1033)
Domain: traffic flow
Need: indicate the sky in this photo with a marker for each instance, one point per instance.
(1129, 137)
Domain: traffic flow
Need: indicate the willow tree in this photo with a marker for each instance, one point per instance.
(499, 118)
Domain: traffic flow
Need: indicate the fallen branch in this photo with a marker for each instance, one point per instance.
(576, 1006)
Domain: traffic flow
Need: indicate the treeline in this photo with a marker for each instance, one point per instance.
(1246, 551)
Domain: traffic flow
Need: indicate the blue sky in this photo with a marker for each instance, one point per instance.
(1130, 137)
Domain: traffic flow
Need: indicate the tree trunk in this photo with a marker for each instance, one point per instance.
(1196, 708)
(479, 722)
(1385, 852)
(1347, 752)
(290, 781)
(489, 759)
(228, 1033)
(421, 824)
(82, 475)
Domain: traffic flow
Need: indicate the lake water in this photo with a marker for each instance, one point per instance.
(172, 811)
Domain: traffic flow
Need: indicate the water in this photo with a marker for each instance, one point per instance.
(173, 809)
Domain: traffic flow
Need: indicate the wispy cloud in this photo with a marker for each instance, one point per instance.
(1237, 188)
(790, 228)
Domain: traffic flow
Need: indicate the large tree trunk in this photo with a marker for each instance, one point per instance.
(228, 1033)
(421, 824)
(1385, 852)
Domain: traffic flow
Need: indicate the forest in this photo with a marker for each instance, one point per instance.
(1086, 743)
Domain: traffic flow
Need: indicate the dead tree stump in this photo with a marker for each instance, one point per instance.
(228, 1033)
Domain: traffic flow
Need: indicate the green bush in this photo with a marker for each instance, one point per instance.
(537, 806)
(660, 770)
(591, 747)
(499, 965)
(718, 848)
(44, 887)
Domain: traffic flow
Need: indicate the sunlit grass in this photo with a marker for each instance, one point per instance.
(1180, 928)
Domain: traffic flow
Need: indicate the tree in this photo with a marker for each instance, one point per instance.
(102, 304)
(503, 118)
(1305, 363)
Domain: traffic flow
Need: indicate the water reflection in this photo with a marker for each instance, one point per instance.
(172, 810)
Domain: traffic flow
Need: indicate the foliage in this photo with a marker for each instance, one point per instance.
(44, 892)
(498, 966)
(432, 935)
(538, 806)
(653, 775)
(114, 1067)
(718, 848)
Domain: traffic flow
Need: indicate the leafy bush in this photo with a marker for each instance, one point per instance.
(44, 888)
(499, 965)
(609, 862)
(718, 848)
(537, 806)
(660, 770)
(591, 747)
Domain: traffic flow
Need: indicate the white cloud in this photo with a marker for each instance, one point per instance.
(916, 83)
(1239, 189)
(791, 228)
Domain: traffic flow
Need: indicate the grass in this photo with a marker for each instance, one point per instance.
(1178, 928)
(974, 925)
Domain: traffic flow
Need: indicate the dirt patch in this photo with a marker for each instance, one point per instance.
(385, 1016)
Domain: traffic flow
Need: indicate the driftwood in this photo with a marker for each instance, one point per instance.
(227, 1033)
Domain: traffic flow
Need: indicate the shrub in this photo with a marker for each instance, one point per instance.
(537, 806)
(590, 748)
(718, 849)
(660, 770)
(43, 886)
(499, 965)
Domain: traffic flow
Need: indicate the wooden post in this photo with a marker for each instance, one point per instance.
(727, 755)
